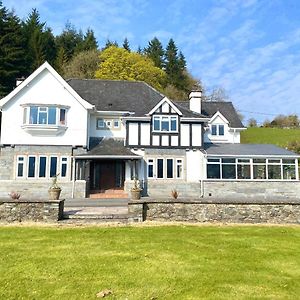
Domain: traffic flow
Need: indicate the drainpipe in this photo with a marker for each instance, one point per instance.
(201, 180)
(73, 177)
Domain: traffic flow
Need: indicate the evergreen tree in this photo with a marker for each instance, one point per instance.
(139, 50)
(89, 41)
(11, 50)
(172, 63)
(155, 51)
(126, 45)
(110, 43)
(70, 40)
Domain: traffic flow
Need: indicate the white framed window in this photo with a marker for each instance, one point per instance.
(31, 166)
(165, 123)
(165, 168)
(44, 115)
(20, 171)
(42, 166)
(217, 130)
(63, 166)
(116, 123)
(107, 123)
(100, 123)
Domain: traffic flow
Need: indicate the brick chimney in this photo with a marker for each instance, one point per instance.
(195, 100)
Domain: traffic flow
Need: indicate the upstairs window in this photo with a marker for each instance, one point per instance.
(165, 123)
(217, 130)
(44, 115)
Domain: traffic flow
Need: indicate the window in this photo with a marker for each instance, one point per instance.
(31, 166)
(251, 168)
(20, 166)
(150, 168)
(64, 162)
(42, 166)
(165, 123)
(166, 168)
(160, 168)
(217, 130)
(44, 115)
(116, 123)
(107, 123)
(53, 166)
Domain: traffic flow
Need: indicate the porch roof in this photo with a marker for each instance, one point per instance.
(109, 148)
(248, 150)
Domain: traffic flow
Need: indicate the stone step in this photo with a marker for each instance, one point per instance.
(120, 195)
(96, 216)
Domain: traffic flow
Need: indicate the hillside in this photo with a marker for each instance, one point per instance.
(277, 136)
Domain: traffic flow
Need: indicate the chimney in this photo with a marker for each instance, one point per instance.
(19, 80)
(195, 100)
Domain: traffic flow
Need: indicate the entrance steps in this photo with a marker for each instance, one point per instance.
(108, 194)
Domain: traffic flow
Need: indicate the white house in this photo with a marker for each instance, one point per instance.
(100, 134)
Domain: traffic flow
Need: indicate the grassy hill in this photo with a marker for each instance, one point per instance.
(277, 136)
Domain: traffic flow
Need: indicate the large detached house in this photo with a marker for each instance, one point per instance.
(98, 135)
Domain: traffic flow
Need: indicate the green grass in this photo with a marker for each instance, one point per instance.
(168, 262)
(277, 136)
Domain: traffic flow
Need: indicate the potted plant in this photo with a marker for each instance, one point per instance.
(54, 191)
(14, 195)
(136, 190)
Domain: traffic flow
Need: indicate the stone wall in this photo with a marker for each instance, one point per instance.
(31, 210)
(38, 189)
(283, 212)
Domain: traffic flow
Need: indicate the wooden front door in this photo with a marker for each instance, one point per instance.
(107, 175)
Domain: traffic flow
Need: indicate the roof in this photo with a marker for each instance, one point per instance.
(37, 72)
(108, 148)
(209, 108)
(247, 150)
(121, 95)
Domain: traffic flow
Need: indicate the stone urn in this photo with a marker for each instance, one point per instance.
(54, 193)
(135, 194)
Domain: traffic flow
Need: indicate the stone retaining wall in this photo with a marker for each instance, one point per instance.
(31, 210)
(227, 211)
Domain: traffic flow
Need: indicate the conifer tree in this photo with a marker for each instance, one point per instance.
(126, 44)
(89, 41)
(155, 51)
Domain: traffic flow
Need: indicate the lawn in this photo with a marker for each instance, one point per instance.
(277, 136)
(163, 262)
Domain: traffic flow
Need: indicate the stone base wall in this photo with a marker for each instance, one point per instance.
(38, 189)
(31, 211)
(275, 213)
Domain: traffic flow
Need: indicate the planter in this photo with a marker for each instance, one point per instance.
(135, 194)
(54, 193)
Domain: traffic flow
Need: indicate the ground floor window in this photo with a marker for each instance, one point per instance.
(165, 168)
(41, 166)
(251, 168)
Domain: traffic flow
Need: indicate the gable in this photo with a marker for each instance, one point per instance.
(165, 106)
(218, 118)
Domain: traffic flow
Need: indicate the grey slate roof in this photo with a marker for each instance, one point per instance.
(108, 147)
(209, 108)
(247, 150)
(120, 95)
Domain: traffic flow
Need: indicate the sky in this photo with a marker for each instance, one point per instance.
(251, 48)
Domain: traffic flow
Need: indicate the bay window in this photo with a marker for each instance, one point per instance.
(165, 168)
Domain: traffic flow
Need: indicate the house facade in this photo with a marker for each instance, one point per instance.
(99, 135)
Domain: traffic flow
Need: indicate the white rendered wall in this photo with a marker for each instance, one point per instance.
(133, 134)
(109, 132)
(194, 165)
(145, 133)
(44, 89)
(196, 135)
(185, 134)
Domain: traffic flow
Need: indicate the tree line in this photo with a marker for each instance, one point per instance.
(26, 44)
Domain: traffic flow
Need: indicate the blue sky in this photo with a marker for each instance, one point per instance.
(249, 47)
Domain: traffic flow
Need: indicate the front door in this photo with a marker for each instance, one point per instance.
(107, 174)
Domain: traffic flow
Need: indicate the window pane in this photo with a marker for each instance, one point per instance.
(259, 172)
(213, 171)
(20, 167)
(213, 160)
(62, 116)
(288, 161)
(213, 129)
(42, 167)
(156, 123)
(228, 160)
(243, 171)
(160, 168)
(33, 115)
(63, 172)
(289, 172)
(42, 116)
(173, 123)
(274, 171)
(116, 123)
(179, 168)
(244, 160)
(274, 161)
(150, 171)
(31, 166)
(228, 172)
(221, 129)
(100, 123)
(169, 168)
(259, 160)
(53, 166)
(52, 115)
(165, 124)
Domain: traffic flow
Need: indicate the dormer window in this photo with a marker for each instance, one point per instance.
(165, 123)
(217, 130)
(44, 118)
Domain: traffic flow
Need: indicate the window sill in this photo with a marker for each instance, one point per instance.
(44, 130)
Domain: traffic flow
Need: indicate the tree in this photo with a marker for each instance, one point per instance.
(155, 51)
(110, 43)
(118, 63)
(12, 63)
(83, 65)
(39, 42)
(126, 45)
(217, 94)
(89, 41)
(172, 65)
(70, 40)
(252, 122)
